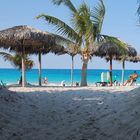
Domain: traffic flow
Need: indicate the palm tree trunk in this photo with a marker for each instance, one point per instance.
(23, 66)
(39, 70)
(123, 68)
(110, 71)
(84, 73)
(72, 67)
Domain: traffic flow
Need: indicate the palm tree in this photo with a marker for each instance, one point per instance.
(15, 60)
(86, 25)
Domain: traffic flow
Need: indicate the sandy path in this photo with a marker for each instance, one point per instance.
(70, 114)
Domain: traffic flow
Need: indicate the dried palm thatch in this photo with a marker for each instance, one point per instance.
(134, 59)
(130, 53)
(24, 39)
(32, 39)
(19, 36)
(108, 49)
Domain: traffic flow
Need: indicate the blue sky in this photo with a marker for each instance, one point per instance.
(120, 21)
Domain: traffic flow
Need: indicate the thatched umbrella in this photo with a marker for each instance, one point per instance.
(110, 50)
(25, 39)
(72, 50)
(131, 56)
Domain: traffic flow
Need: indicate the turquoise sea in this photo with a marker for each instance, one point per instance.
(55, 76)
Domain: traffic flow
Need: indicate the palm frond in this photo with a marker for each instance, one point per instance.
(61, 27)
(68, 3)
(60, 40)
(98, 14)
(15, 60)
(83, 24)
(6, 56)
(29, 64)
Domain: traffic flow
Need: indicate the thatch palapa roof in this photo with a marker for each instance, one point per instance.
(115, 48)
(133, 59)
(131, 53)
(109, 49)
(32, 39)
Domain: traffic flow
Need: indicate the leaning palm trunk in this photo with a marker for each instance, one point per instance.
(123, 68)
(23, 66)
(39, 69)
(72, 67)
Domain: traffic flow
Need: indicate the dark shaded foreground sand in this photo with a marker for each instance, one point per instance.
(70, 114)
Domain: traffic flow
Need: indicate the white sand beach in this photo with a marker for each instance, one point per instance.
(91, 113)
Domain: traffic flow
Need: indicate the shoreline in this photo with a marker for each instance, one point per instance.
(67, 88)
